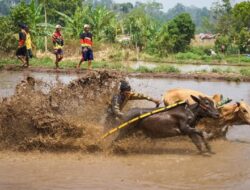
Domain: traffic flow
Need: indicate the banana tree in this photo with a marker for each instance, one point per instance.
(100, 19)
(74, 24)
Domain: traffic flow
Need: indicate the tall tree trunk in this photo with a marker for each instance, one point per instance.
(45, 38)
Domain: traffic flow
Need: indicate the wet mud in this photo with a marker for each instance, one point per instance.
(49, 139)
(66, 118)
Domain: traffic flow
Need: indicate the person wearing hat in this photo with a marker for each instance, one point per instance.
(120, 100)
(21, 52)
(58, 43)
(86, 45)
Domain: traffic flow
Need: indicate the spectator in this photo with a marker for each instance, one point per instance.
(29, 43)
(21, 52)
(58, 43)
(86, 44)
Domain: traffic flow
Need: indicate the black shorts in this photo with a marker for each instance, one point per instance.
(22, 51)
(58, 52)
(29, 53)
(87, 54)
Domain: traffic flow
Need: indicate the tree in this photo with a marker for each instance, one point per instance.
(123, 7)
(197, 14)
(65, 6)
(101, 20)
(181, 29)
(20, 14)
(241, 23)
(243, 40)
(233, 23)
(241, 15)
(8, 41)
(29, 14)
(140, 27)
(222, 18)
(164, 44)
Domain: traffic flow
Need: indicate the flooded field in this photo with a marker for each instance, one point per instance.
(151, 164)
(187, 68)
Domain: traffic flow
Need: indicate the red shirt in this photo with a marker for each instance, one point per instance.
(57, 38)
(86, 39)
(22, 39)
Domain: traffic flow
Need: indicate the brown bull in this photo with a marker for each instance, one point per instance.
(180, 120)
(179, 94)
(231, 114)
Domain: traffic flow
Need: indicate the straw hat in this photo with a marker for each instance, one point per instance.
(58, 26)
(86, 26)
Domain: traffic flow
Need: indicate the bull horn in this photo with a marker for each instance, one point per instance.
(196, 99)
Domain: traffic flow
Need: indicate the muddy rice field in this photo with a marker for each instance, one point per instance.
(50, 138)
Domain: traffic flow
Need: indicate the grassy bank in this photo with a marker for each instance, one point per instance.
(196, 55)
(47, 62)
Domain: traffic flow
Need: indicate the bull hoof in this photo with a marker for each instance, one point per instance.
(207, 154)
(211, 152)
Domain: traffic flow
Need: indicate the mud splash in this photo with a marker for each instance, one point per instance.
(66, 117)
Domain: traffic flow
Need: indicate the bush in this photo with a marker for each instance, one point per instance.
(187, 55)
(166, 69)
(181, 30)
(245, 72)
(245, 59)
(222, 40)
(233, 49)
(8, 40)
(143, 69)
(197, 50)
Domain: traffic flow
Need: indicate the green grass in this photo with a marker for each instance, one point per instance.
(109, 65)
(143, 69)
(245, 72)
(238, 59)
(166, 69)
(222, 71)
(48, 62)
(187, 55)
(159, 69)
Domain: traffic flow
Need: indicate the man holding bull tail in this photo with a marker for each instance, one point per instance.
(120, 100)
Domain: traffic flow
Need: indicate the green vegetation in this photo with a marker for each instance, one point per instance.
(107, 22)
(150, 33)
(245, 72)
(222, 71)
(166, 69)
(47, 62)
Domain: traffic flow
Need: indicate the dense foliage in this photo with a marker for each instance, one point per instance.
(148, 27)
(233, 26)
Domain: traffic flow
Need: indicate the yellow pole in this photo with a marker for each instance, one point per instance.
(140, 117)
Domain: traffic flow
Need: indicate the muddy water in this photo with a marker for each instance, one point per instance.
(229, 169)
(186, 68)
(159, 165)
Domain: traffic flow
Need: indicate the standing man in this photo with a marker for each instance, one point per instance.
(21, 52)
(58, 43)
(86, 44)
(29, 43)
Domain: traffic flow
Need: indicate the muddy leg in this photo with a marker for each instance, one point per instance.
(207, 145)
(197, 140)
